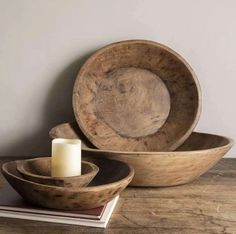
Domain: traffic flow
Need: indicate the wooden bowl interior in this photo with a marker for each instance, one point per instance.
(42, 167)
(110, 171)
(196, 141)
(203, 141)
(107, 102)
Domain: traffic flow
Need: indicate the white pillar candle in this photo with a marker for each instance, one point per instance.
(66, 157)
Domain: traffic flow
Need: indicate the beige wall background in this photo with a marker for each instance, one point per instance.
(43, 44)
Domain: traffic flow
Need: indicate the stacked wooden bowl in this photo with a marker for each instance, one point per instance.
(138, 102)
(100, 182)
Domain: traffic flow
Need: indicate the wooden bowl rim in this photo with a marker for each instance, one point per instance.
(229, 143)
(71, 189)
(21, 163)
(187, 133)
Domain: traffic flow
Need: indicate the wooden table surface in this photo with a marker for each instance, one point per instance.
(207, 205)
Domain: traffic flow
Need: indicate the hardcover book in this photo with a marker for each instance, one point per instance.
(12, 205)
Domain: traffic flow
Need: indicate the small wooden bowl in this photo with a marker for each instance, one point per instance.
(198, 154)
(136, 95)
(39, 170)
(112, 178)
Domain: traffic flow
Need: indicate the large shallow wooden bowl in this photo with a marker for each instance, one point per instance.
(136, 96)
(39, 170)
(197, 155)
(112, 178)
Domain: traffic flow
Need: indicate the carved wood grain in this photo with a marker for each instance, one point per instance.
(136, 96)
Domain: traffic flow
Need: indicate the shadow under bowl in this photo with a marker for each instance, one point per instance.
(39, 170)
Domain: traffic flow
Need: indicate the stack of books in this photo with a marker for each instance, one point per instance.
(13, 206)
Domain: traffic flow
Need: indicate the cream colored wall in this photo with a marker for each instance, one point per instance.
(43, 43)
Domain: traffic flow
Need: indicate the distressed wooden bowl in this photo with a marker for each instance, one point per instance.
(111, 179)
(136, 96)
(197, 155)
(39, 170)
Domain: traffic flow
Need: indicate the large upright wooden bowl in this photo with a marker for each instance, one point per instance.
(111, 179)
(197, 155)
(136, 96)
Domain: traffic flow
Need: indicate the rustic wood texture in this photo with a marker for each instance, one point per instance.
(196, 156)
(136, 96)
(70, 131)
(112, 179)
(133, 102)
(39, 170)
(207, 205)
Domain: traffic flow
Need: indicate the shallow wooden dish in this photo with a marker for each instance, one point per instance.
(136, 96)
(111, 179)
(39, 170)
(197, 155)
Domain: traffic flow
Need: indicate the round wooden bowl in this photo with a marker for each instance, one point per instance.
(136, 96)
(112, 178)
(197, 155)
(39, 170)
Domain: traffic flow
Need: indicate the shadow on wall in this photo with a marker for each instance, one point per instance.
(57, 109)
